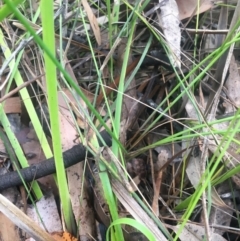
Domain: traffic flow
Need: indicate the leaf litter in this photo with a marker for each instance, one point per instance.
(173, 128)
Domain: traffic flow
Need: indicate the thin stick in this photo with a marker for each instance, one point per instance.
(8, 95)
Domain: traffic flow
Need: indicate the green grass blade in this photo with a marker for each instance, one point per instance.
(206, 178)
(137, 225)
(47, 15)
(59, 66)
(107, 189)
(26, 99)
(5, 10)
(17, 148)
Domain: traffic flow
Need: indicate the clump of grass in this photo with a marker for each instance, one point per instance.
(200, 128)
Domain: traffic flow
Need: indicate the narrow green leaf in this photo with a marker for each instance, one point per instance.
(137, 225)
(5, 10)
(47, 15)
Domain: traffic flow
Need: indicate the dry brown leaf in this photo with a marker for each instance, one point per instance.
(93, 21)
(188, 8)
(162, 159)
(8, 230)
(13, 105)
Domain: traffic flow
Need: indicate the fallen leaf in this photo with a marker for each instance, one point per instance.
(188, 8)
(93, 21)
(13, 105)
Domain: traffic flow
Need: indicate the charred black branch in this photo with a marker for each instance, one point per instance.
(72, 156)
